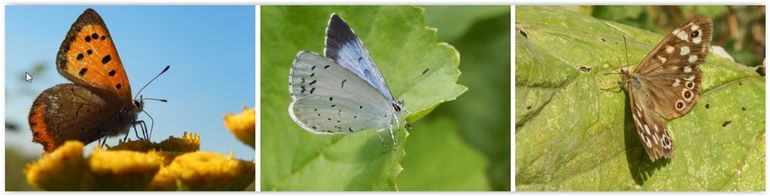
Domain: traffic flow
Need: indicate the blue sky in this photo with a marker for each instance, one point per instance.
(210, 49)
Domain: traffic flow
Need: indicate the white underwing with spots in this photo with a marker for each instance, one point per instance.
(343, 91)
(666, 84)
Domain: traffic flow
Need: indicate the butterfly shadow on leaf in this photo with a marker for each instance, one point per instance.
(639, 165)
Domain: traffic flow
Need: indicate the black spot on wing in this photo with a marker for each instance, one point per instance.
(106, 59)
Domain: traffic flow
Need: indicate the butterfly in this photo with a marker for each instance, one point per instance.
(98, 103)
(344, 91)
(666, 84)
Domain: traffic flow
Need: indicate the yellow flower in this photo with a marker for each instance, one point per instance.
(61, 170)
(243, 125)
(173, 164)
(205, 171)
(122, 169)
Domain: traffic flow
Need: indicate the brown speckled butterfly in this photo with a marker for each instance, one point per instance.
(667, 83)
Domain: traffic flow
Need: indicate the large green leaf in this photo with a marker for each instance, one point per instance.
(439, 159)
(573, 125)
(397, 39)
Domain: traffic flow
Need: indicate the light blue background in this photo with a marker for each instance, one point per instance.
(210, 49)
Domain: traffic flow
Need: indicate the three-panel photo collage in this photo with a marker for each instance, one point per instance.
(385, 98)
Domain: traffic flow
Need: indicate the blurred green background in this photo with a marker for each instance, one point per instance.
(740, 30)
(463, 144)
(482, 115)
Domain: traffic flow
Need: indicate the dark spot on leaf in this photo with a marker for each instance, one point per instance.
(707, 105)
(743, 108)
(726, 123)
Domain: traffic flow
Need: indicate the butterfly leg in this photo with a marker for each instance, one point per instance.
(125, 139)
(142, 126)
(393, 136)
(382, 141)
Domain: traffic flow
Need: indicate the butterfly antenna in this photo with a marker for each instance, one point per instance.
(153, 79)
(155, 99)
(626, 46)
(411, 82)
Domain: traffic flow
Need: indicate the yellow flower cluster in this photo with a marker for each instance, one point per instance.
(174, 164)
(243, 125)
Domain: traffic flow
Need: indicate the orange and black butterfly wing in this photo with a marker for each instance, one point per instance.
(76, 112)
(88, 57)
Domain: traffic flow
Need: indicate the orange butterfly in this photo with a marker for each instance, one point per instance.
(98, 103)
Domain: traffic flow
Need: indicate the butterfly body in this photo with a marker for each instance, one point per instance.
(343, 91)
(666, 84)
(98, 103)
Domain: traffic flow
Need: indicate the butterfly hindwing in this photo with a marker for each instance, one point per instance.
(75, 112)
(345, 48)
(328, 98)
(88, 56)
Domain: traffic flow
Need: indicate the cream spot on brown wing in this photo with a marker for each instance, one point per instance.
(694, 27)
(647, 141)
(662, 60)
(647, 129)
(684, 50)
(666, 140)
(681, 34)
(692, 58)
(670, 49)
(676, 82)
(636, 120)
(687, 69)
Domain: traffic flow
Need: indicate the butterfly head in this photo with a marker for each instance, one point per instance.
(139, 103)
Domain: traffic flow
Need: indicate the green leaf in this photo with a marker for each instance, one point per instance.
(573, 135)
(439, 160)
(402, 47)
(453, 25)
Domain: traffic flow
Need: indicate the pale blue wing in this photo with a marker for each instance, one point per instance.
(327, 98)
(345, 48)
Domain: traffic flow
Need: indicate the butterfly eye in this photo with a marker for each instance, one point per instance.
(396, 106)
(695, 34)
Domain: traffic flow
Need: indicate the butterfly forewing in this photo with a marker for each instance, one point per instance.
(345, 48)
(666, 84)
(651, 128)
(328, 98)
(87, 56)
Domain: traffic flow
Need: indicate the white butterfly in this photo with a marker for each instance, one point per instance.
(343, 92)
